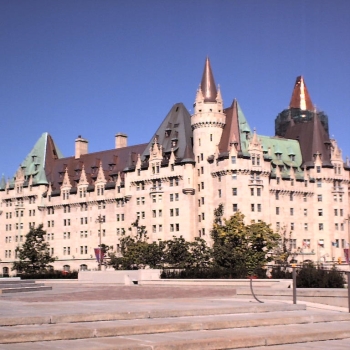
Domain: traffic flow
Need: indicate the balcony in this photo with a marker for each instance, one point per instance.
(156, 189)
(254, 182)
(338, 189)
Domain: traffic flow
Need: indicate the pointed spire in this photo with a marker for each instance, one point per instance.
(83, 178)
(300, 97)
(208, 86)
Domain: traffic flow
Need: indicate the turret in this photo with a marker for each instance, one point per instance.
(208, 119)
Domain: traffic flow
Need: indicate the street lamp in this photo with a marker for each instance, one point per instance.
(100, 219)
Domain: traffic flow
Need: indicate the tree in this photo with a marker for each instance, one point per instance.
(241, 247)
(177, 253)
(34, 255)
(136, 252)
(201, 254)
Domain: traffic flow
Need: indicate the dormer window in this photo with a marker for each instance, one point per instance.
(167, 132)
(279, 156)
(174, 142)
(292, 157)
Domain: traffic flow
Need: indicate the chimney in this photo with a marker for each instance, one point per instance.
(121, 140)
(81, 147)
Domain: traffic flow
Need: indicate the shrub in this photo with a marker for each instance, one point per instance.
(310, 276)
(56, 274)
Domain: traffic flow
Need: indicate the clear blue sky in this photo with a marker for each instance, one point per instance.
(98, 67)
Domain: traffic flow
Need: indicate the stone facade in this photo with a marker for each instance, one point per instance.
(299, 185)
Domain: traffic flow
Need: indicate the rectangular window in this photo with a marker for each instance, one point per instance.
(219, 193)
(252, 207)
(252, 191)
(171, 212)
(319, 198)
(291, 197)
(320, 227)
(335, 212)
(202, 200)
(233, 159)
(341, 212)
(292, 226)
(318, 169)
(176, 196)
(234, 191)
(319, 183)
(235, 207)
(177, 227)
(177, 211)
(154, 228)
(234, 176)
(291, 210)
(171, 227)
(258, 192)
(305, 212)
(336, 226)
(154, 213)
(306, 227)
(304, 198)
(277, 210)
(259, 208)
(320, 212)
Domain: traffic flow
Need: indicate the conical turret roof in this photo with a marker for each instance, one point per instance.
(300, 96)
(208, 86)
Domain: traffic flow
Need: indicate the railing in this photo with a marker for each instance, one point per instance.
(256, 182)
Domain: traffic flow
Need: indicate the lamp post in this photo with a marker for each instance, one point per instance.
(100, 220)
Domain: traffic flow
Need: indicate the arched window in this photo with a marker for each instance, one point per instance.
(83, 267)
(66, 268)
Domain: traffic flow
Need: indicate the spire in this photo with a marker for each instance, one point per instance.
(300, 97)
(208, 86)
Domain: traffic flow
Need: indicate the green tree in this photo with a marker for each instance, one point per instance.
(136, 252)
(241, 247)
(177, 253)
(34, 255)
(201, 254)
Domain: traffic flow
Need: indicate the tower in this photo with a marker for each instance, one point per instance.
(208, 119)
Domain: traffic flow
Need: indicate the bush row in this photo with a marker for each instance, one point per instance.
(308, 276)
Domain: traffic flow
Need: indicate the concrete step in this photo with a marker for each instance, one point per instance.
(175, 309)
(13, 280)
(21, 289)
(81, 330)
(230, 338)
(20, 284)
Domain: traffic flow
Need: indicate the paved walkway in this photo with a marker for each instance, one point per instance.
(73, 298)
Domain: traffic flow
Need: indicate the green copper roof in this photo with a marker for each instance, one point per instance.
(285, 148)
(34, 164)
(244, 128)
(2, 182)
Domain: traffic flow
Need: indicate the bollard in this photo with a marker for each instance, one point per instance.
(294, 284)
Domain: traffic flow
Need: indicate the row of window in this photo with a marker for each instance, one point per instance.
(19, 202)
(337, 226)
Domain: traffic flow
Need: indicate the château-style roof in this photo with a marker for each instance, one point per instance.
(208, 86)
(300, 96)
(313, 140)
(174, 133)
